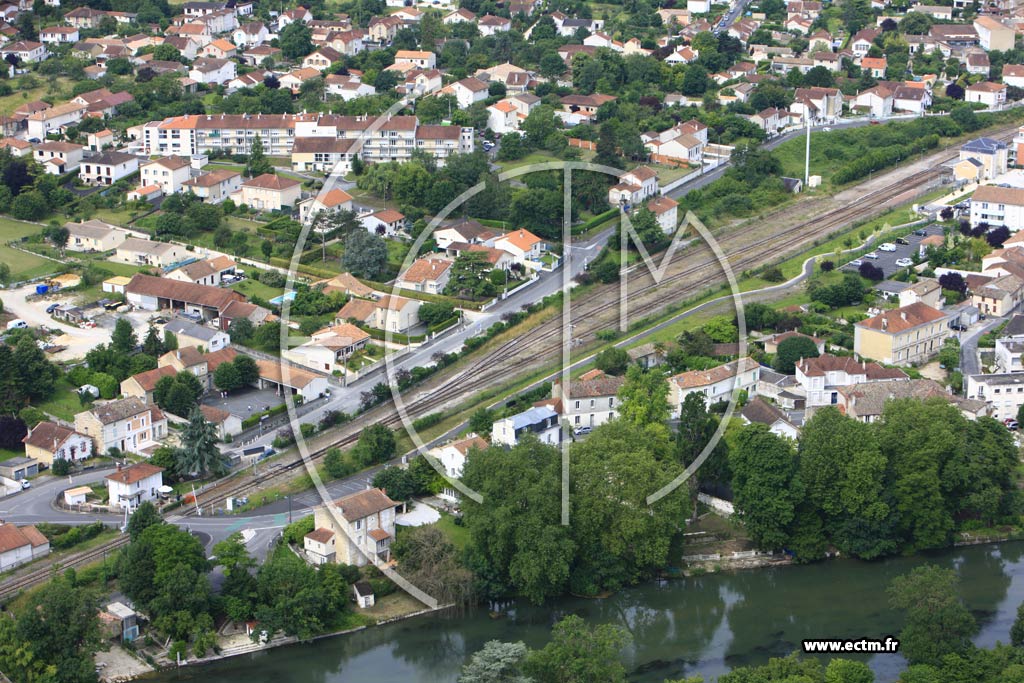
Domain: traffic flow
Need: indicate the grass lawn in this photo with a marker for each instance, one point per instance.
(122, 217)
(25, 266)
(668, 174)
(250, 287)
(458, 535)
(64, 403)
(7, 454)
(532, 158)
(11, 229)
(396, 253)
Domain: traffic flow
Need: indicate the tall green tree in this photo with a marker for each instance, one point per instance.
(496, 662)
(366, 255)
(61, 626)
(766, 488)
(258, 164)
(123, 340)
(644, 398)
(199, 452)
(580, 653)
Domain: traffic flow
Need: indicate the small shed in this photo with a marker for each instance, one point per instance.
(76, 496)
(123, 621)
(116, 284)
(19, 468)
(364, 594)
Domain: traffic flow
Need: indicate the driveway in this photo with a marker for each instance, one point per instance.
(969, 361)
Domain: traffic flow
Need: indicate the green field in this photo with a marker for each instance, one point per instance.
(26, 266)
(251, 287)
(458, 535)
(64, 403)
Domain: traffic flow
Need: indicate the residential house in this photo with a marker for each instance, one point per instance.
(219, 48)
(927, 291)
(326, 154)
(19, 545)
(458, 16)
(874, 65)
(992, 95)
(106, 168)
(322, 58)
(206, 339)
(129, 487)
(767, 120)
(865, 402)
(540, 421)
(863, 40)
(525, 247)
(27, 51)
(591, 401)
(389, 313)
(993, 155)
(142, 252)
(85, 17)
(329, 349)
(347, 87)
(490, 25)
(212, 71)
(1008, 354)
(908, 335)
(760, 411)
(818, 104)
(386, 222)
(215, 186)
(419, 59)
(59, 35)
(1013, 74)
(452, 457)
(634, 186)
(169, 173)
(94, 235)
(362, 526)
(820, 378)
(666, 212)
(54, 119)
(269, 192)
(468, 91)
(426, 274)
(998, 206)
(100, 140)
(103, 101)
(58, 158)
(49, 441)
(582, 108)
(715, 384)
(16, 147)
(466, 231)
(127, 424)
(1000, 296)
(324, 203)
(250, 34)
(141, 385)
(155, 293)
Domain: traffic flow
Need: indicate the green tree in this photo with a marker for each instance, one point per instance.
(766, 488)
(398, 483)
(936, 623)
(295, 41)
(258, 164)
(145, 516)
(199, 452)
(580, 653)
(1017, 630)
(519, 546)
(848, 671)
(336, 464)
(123, 339)
(152, 345)
(61, 624)
(366, 255)
(644, 398)
(791, 350)
(496, 662)
(226, 377)
(376, 444)
(612, 361)
(248, 371)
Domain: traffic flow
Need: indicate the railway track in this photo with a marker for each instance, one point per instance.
(9, 589)
(537, 345)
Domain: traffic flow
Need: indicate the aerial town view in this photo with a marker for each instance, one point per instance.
(512, 341)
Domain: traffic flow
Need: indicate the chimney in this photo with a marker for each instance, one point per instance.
(885, 323)
(903, 314)
(178, 353)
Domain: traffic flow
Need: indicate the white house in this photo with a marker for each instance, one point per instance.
(59, 157)
(19, 545)
(250, 35)
(426, 274)
(591, 401)
(541, 421)
(453, 456)
(28, 51)
(169, 173)
(328, 202)
(666, 211)
(760, 411)
(386, 222)
(215, 186)
(634, 186)
(525, 247)
(129, 487)
(821, 377)
(993, 95)
(716, 384)
(362, 526)
(998, 206)
(59, 34)
(211, 70)
(468, 91)
(107, 168)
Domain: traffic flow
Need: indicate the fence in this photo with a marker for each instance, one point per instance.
(738, 555)
(582, 144)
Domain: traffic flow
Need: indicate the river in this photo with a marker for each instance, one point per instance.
(704, 625)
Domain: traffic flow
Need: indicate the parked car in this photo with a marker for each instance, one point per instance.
(856, 263)
(900, 240)
(871, 255)
(887, 246)
(51, 308)
(921, 233)
(25, 484)
(580, 431)
(17, 324)
(904, 262)
(1011, 424)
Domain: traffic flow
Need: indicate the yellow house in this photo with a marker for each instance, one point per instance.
(269, 192)
(903, 336)
(1000, 296)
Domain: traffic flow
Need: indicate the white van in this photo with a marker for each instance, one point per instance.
(17, 324)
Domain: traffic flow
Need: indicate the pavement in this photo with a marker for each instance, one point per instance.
(886, 260)
(970, 364)
(77, 340)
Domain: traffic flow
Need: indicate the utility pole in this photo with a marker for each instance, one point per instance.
(807, 155)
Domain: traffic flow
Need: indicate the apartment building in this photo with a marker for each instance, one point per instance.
(903, 336)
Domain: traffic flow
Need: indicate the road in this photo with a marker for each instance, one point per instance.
(970, 364)
(735, 12)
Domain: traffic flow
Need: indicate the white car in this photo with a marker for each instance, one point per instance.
(856, 263)
(904, 262)
(872, 255)
(888, 246)
(827, 129)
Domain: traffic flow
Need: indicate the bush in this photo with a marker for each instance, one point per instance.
(293, 533)
(61, 467)
(773, 274)
(427, 421)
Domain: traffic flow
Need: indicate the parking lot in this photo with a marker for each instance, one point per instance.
(886, 260)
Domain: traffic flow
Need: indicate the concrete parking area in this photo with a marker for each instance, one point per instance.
(886, 260)
(245, 403)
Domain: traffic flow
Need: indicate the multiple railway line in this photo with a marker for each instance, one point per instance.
(536, 347)
(17, 584)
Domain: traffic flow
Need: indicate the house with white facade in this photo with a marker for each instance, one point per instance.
(591, 400)
(128, 425)
(820, 378)
(426, 274)
(361, 526)
(715, 384)
(49, 441)
(129, 487)
(107, 168)
(540, 421)
(634, 186)
(169, 173)
(19, 545)
(453, 457)
(525, 247)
